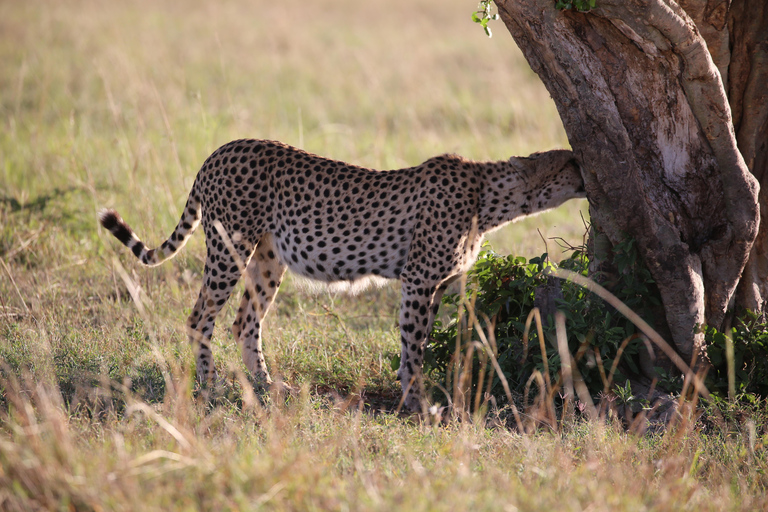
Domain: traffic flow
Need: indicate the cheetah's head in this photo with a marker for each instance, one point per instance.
(552, 175)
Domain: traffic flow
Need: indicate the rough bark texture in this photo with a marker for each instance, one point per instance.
(647, 114)
(748, 94)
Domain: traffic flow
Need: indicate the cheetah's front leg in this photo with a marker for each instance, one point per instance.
(417, 315)
(415, 324)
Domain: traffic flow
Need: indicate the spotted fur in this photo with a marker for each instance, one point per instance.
(281, 207)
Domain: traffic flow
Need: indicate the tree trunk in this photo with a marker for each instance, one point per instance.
(647, 114)
(748, 94)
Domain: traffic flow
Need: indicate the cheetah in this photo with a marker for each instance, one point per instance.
(266, 206)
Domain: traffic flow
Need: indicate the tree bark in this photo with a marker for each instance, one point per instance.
(646, 113)
(748, 94)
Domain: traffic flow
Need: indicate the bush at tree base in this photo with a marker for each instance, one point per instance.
(503, 290)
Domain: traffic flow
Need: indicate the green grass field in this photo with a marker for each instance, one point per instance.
(117, 104)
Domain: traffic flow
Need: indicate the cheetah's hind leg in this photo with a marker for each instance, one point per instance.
(263, 277)
(219, 279)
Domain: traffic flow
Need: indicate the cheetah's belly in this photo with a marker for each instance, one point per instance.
(343, 256)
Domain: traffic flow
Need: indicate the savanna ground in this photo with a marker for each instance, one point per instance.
(117, 104)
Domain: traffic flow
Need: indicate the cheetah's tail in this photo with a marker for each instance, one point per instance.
(189, 221)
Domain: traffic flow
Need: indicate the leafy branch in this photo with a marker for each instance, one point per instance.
(483, 15)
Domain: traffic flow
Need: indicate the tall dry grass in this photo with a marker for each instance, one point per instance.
(314, 453)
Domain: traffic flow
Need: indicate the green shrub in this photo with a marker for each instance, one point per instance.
(503, 289)
(750, 358)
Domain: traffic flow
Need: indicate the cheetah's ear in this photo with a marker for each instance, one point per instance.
(576, 165)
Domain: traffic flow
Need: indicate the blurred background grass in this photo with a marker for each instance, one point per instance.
(126, 99)
(118, 104)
